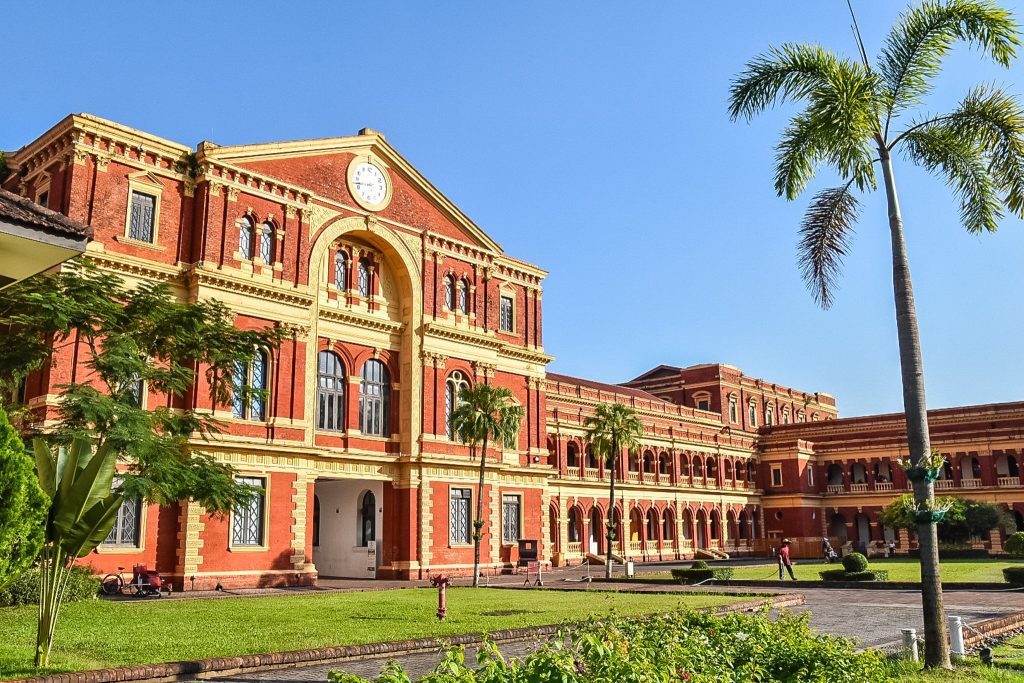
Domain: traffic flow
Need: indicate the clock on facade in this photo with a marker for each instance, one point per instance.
(369, 184)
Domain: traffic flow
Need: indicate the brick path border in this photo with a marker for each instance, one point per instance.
(221, 666)
(858, 585)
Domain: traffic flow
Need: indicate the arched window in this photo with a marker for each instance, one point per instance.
(246, 237)
(341, 270)
(801, 416)
(374, 398)
(574, 525)
(591, 458)
(652, 525)
(267, 242)
(330, 392)
(453, 389)
(464, 297)
(449, 292)
(364, 276)
(571, 455)
(668, 525)
(734, 411)
(785, 415)
(367, 519)
(769, 415)
(249, 384)
(752, 413)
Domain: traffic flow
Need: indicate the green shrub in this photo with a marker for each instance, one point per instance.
(1015, 544)
(855, 562)
(682, 646)
(82, 585)
(1014, 575)
(699, 564)
(843, 575)
(696, 575)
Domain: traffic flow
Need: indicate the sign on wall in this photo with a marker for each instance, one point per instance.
(371, 559)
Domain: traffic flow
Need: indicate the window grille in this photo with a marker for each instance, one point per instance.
(125, 532)
(143, 208)
(505, 320)
(364, 277)
(509, 519)
(458, 516)
(374, 398)
(246, 237)
(341, 270)
(247, 519)
(267, 242)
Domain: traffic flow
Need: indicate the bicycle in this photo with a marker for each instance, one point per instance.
(145, 583)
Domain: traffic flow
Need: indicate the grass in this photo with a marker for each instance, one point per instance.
(900, 569)
(98, 634)
(1009, 668)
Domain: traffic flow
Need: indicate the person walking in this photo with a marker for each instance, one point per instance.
(785, 560)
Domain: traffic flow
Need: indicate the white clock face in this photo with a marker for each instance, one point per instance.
(369, 183)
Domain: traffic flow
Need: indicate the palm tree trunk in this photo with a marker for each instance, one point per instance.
(478, 523)
(912, 367)
(610, 522)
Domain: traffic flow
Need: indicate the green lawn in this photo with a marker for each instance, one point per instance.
(98, 634)
(901, 569)
(1009, 668)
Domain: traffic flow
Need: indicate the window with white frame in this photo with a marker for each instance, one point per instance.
(801, 416)
(505, 321)
(510, 507)
(752, 413)
(247, 518)
(267, 242)
(453, 388)
(810, 474)
(449, 292)
(341, 270)
(734, 410)
(374, 397)
(702, 401)
(785, 415)
(136, 391)
(249, 386)
(246, 237)
(769, 415)
(330, 392)
(364, 276)
(776, 475)
(458, 516)
(126, 532)
(141, 217)
(463, 297)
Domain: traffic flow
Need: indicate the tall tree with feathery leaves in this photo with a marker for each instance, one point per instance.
(610, 429)
(857, 115)
(485, 413)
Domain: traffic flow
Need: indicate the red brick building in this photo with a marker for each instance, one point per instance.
(394, 300)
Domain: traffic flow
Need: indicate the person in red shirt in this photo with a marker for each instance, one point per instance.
(784, 560)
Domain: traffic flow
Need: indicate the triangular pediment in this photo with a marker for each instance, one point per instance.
(146, 178)
(320, 165)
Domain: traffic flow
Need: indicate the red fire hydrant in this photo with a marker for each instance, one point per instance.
(441, 581)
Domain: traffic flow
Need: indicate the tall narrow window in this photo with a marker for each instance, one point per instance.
(752, 414)
(785, 415)
(463, 297)
(247, 518)
(505, 321)
(458, 516)
(734, 413)
(509, 519)
(136, 390)
(769, 415)
(249, 386)
(125, 532)
(246, 237)
(454, 387)
(364, 276)
(367, 519)
(449, 292)
(43, 199)
(267, 242)
(316, 521)
(140, 226)
(373, 398)
(330, 392)
(341, 270)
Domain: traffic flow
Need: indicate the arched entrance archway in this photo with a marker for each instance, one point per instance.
(595, 533)
(702, 529)
(837, 527)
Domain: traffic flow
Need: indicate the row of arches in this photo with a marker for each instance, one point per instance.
(654, 531)
(661, 467)
(969, 470)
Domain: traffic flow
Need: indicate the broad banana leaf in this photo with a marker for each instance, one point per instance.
(92, 527)
(46, 467)
(91, 485)
(67, 467)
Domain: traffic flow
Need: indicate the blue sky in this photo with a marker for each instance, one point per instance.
(589, 138)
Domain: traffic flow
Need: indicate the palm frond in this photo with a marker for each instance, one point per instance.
(825, 237)
(924, 34)
(994, 120)
(789, 72)
(964, 164)
(796, 156)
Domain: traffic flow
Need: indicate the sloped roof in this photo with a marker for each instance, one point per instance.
(25, 212)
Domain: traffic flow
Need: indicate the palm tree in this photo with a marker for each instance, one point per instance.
(853, 112)
(611, 428)
(485, 413)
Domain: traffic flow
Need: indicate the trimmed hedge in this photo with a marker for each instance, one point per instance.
(843, 575)
(699, 564)
(82, 585)
(692, 576)
(1014, 575)
(1015, 544)
(855, 562)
